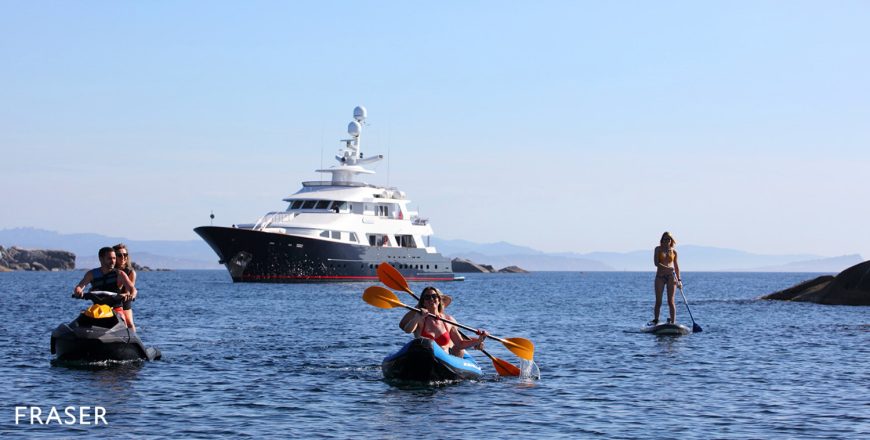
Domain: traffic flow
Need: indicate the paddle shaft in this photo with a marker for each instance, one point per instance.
(687, 307)
(472, 329)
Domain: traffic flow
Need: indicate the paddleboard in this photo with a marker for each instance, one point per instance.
(667, 329)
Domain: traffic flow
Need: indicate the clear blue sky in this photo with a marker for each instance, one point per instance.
(565, 126)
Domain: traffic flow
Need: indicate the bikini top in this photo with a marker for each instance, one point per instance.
(443, 339)
(666, 256)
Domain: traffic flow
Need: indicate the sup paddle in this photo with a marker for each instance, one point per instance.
(393, 279)
(386, 299)
(695, 327)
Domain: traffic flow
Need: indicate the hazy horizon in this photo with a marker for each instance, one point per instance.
(562, 126)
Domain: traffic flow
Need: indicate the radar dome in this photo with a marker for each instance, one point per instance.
(359, 113)
(354, 129)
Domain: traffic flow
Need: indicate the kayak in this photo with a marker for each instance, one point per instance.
(667, 329)
(423, 360)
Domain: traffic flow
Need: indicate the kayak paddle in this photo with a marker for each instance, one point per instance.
(393, 279)
(386, 299)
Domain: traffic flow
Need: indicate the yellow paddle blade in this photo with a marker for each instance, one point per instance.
(521, 347)
(381, 297)
(392, 278)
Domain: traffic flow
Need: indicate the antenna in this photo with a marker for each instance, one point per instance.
(211, 216)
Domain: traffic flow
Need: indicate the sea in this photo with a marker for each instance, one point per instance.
(304, 361)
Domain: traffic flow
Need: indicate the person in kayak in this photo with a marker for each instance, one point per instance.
(122, 262)
(107, 278)
(426, 325)
(667, 274)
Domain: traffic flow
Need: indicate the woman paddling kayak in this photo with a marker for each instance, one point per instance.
(425, 325)
(667, 274)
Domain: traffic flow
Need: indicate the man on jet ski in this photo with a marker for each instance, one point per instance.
(107, 278)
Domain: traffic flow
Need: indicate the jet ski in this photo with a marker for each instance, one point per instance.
(100, 334)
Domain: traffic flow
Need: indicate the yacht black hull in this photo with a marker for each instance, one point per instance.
(257, 256)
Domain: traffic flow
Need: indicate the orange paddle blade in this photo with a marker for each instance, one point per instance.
(521, 347)
(381, 297)
(392, 278)
(505, 368)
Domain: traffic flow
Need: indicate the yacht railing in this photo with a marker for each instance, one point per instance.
(273, 217)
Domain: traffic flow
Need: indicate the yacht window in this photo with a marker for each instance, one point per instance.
(322, 204)
(309, 204)
(336, 235)
(353, 237)
(296, 204)
(406, 241)
(338, 206)
(379, 240)
(324, 234)
(383, 211)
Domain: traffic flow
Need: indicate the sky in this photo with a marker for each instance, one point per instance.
(564, 126)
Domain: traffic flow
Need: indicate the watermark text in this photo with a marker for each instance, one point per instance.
(69, 415)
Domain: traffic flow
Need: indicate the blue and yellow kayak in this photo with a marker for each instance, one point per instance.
(423, 360)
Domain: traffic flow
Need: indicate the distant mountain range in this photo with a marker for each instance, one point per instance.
(693, 258)
(196, 254)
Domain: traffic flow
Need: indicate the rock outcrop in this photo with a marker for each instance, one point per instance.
(461, 265)
(16, 258)
(466, 266)
(139, 268)
(850, 287)
(512, 269)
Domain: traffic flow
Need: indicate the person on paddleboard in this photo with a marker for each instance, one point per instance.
(667, 274)
(426, 325)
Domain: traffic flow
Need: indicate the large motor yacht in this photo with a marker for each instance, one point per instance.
(337, 230)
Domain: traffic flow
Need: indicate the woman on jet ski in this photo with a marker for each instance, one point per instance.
(123, 264)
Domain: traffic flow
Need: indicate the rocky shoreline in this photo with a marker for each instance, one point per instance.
(461, 265)
(16, 258)
(45, 260)
(850, 287)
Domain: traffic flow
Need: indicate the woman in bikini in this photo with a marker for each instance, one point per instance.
(667, 274)
(426, 325)
(124, 264)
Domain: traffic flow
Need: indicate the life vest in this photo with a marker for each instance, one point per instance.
(107, 282)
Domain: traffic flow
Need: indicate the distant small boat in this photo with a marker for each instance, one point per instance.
(335, 230)
(422, 360)
(667, 329)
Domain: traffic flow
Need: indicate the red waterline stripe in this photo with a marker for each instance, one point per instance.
(301, 277)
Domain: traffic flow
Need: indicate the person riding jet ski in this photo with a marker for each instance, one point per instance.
(100, 334)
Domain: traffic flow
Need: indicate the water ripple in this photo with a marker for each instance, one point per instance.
(279, 361)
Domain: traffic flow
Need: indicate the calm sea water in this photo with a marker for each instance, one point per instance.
(284, 361)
